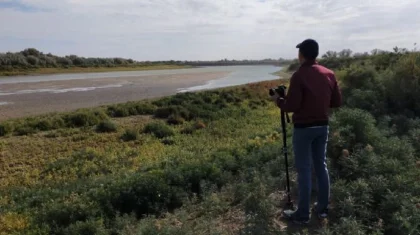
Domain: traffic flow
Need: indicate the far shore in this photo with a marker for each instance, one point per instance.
(50, 71)
(73, 70)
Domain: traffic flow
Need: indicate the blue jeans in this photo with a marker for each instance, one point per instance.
(311, 144)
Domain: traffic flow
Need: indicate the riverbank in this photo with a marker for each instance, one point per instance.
(49, 71)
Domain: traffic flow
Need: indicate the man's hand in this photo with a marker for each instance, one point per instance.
(277, 99)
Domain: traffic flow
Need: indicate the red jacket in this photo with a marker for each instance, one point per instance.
(312, 91)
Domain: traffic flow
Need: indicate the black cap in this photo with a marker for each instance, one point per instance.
(309, 48)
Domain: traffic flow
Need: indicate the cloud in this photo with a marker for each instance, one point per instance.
(202, 29)
(18, 6)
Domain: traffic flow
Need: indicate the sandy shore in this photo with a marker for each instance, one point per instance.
(25, 99)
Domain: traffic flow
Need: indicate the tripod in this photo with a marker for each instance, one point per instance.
(284, 117)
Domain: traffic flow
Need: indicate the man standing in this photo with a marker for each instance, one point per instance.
(313, 90)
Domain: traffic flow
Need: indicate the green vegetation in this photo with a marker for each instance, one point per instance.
(211, 162)
(106, 126)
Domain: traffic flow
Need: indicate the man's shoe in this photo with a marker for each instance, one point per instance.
(321, 215)
(293, 216)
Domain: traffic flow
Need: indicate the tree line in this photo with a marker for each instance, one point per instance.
(32, 58)
(380, 59)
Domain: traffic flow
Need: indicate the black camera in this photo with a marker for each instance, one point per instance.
(280, 90)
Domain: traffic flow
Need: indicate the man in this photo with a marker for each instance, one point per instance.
(313, 90)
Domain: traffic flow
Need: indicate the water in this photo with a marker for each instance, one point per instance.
(239, 75)
(56, 91)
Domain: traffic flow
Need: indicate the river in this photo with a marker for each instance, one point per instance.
(30, 95)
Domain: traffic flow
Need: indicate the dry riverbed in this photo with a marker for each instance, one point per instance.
(32, 98)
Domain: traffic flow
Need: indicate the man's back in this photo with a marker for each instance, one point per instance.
(320, 93)
(313, 91)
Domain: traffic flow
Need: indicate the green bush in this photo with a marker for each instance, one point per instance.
(25, 130)
(5, 128)
(370, 100)
(402, 85)
(85, 118)
(353, 127)
(175, 120)
(118, 111)
(159, 130)
(345, 226)
(360, 77)
(60, 215)
(106, 126)
(142, 194)
(91, 226)
(43, 125)
(130, 135)
(166, 112)
(405, 221)
(145, 109)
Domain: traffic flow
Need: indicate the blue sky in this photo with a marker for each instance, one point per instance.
(204, 29)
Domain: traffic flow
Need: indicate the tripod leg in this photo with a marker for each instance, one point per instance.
(283, 124)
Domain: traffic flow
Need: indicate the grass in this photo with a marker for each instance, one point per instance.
(44, 71)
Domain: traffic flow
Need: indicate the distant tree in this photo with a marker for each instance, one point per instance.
(345, 53)
(330, 54)
(64, 61)
(119, 61)
(31, 51)
(32, 60)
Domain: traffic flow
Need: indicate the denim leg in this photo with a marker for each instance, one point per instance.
(319, 148)
(302, 139)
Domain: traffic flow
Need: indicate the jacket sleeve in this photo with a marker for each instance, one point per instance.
(293, 100)
(336, 98)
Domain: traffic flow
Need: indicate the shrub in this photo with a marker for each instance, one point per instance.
(130, 134)
(405, 221)
(85, 118)
(5, 128)
(188, 130)
(402, 85)
(360, 77)
(175, 120)
(142, 194)
(353, 127)
(43, 125)
(345, 226)
(25, 130)
(369, 100)
(106, 126)
(168, 142)
(199, 125)
(90, 226)
(118, 111)
(166, 112)
(145, 109)
(192, 128)
(62, 213)
(159, 130)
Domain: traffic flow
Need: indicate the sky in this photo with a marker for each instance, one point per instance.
(205, 29)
